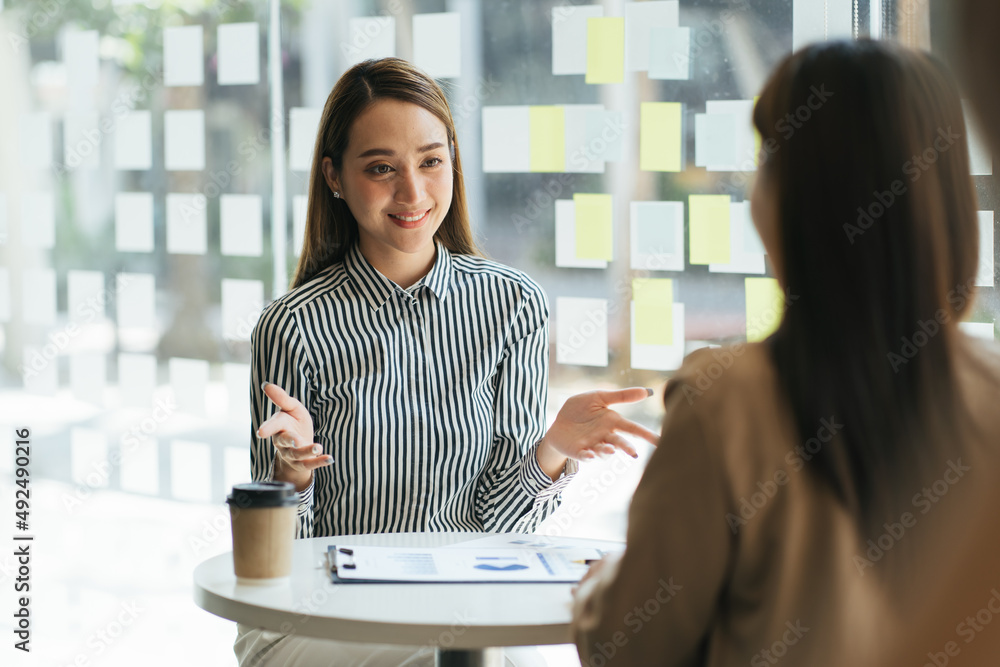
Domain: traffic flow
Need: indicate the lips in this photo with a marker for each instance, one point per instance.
(409, 219)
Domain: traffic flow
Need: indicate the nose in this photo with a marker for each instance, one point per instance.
(410, 187)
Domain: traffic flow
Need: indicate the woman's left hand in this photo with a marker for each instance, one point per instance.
(586, 427)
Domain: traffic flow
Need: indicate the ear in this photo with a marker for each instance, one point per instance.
(330, 175)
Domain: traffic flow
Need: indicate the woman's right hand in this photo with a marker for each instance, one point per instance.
(295, 453)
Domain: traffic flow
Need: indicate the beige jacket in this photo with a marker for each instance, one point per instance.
(738, 556)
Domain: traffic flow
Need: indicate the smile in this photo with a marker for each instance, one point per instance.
(409, 218)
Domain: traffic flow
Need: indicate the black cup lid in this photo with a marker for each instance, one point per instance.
(263, 494)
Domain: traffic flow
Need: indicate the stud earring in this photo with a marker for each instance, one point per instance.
(336, 195)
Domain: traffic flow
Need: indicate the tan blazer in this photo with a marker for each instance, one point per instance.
(737, 555)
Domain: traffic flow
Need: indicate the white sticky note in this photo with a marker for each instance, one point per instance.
(140, 466)
(4, 295)
(41, 371)
(657, 235)
(740, 261)
(583, 156)
(369, 37)
(569, 37)
(38, 220)
(35, 140)
(670, 53)
(189, 381)
(38, 292)
(506, 139)
(242, 225)
(183, 60)
(81, 57)
(300, 205)
(605, 134)
(134, 141)
(88, 376)
(821, 20)
(236, 465)
(582, 331)
(88, 455)
(242, 303)
(86, 296)
(136, 301)
(186, 223)
(980, 157)
(136, 379)
(437, 46)
(239, 53)
(659, 357)
(751, 238)
(744, 141)
(984, 330)
(987, 252)
(715, 141)
(640, 18)
(566, 239)
(190, 470)
(82, 141)
(303, 126)
(237, 379)
(184, 139)
(134, 222)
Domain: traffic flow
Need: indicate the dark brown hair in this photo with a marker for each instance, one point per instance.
(330, 227)
(878, 239)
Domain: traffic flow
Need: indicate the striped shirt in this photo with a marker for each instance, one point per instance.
(431, 400)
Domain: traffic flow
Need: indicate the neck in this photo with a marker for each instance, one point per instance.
(404, 269)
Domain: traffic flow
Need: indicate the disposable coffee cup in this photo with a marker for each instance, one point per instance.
(264, 518)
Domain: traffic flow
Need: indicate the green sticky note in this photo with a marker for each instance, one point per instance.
(654, 311)
(765, 306)
(593, 226)
(605, 50)
(660, 136)
(547, 136)
(709, 228)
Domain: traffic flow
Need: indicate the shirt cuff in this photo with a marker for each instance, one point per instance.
(306, 496)
(533, 478)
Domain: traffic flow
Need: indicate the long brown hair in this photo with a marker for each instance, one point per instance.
(330, 227)
(878, 239)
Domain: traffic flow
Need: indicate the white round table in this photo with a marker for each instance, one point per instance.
(464, 622)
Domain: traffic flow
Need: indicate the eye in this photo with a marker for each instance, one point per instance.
(380, 169)
(433, 162)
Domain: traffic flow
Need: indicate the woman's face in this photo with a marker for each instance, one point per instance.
(764, 211)
(396, 178)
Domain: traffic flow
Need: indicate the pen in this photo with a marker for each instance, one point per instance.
(586, 561)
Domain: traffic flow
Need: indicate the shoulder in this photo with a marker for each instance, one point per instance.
(285, 307)
(494, 275)
(717, 374)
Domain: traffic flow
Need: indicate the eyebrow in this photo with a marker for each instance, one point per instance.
(386, 151)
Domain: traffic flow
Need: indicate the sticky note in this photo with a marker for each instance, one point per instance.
(136, 379)
(303, 125)
(605, 50)
(183, 60)
(566, 239)
(745, 146)
(189, 380)
(38, 220)
(569, 37)
(660, 136)
(605, 133)
(437, 44)
(242, 303)
(139, 470)
(582, 331)
(709, 229)
(82, 140)
(987, 252)
(300, 205)
(44, 376)
(86, 296)
(81, 57)
(239, 53)
(654, 300)
(237, 379)
(136, 301)
(235, 464)
(184, 139)
(186, 223)
(715, 141)
(134, 141)
(670, 54)
(980, 157)
(134, 222)
(4, 295)
(242, 225)
(740, 259)
(190, 470)
(38, 292)
(35, 140)
(659, 357)
(640, 18)
(984, 330)
(594, 237)
(821, 20)
(656, 233)
(369, 37)
(88, 376)
(547, 132)
(765, 307)
(88, 455)
(506, 139)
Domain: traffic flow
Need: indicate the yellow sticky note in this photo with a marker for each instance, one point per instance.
(605, 50)
(593, 226)
(660, 136)
(654, 311)
(765, 306)
(547, 134)
(709, 228)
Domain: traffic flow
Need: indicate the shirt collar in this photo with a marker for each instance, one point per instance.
(377, 289)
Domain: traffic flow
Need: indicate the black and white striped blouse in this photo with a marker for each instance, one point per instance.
(431, 400)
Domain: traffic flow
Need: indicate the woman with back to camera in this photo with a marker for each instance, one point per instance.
(795, 510)
(401, 384)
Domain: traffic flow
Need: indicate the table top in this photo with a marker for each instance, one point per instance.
(456, 616)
